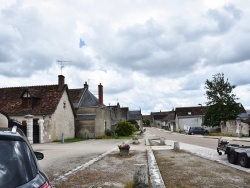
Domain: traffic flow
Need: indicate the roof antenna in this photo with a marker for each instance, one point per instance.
(62, 65)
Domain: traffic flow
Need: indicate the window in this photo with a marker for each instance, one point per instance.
(189, 113)
(26, 100)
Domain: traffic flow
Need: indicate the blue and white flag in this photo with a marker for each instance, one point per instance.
(82, 43)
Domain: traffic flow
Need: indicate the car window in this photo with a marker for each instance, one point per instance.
(17, 165)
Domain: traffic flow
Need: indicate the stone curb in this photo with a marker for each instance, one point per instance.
(154, 172)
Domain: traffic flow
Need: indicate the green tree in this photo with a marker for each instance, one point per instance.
(146, 122)
(221, 103)
(124, 128)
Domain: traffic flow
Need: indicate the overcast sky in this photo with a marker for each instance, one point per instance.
(148, 55)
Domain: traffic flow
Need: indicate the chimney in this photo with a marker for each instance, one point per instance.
(60, 82)
(86, 85)
(100, 94)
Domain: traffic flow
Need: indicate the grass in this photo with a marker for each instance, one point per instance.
(71, 140)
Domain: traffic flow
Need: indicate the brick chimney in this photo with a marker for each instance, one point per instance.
(86, 85)
(60, 82)
(100, 94)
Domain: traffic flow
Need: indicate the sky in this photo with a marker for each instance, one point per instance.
(148, 55)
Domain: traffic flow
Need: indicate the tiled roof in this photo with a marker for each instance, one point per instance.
(47, 97)
(146, 117)
(171, 116)
(190, 111)
(159, 117)
(75, 95)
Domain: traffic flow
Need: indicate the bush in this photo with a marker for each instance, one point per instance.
(109, 132)
(124, 128)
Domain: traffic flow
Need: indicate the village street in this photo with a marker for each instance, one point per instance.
(199, 140)
(61, 158)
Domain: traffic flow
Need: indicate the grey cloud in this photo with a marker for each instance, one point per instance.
(153, 50)
(237, 13)
(213, 23)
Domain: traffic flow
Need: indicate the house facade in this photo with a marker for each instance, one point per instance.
(188, 116)
(93, 117)
(45, 113)
(116, 114)
(158, 119)
(137, 116)
(124, 113)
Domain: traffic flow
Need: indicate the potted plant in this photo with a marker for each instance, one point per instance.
(124, 149)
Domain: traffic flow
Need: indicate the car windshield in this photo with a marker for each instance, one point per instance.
(17, 165)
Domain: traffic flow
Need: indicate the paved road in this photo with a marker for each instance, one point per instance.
(192, 139)
(61, 158)
(197, 149)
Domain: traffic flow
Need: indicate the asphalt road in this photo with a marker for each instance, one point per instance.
(197, 140)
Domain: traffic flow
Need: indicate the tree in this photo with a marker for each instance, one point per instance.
(221, 103)
(124, 128)
(146, 122)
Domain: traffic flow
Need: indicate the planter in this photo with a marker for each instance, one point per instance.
(124, 151)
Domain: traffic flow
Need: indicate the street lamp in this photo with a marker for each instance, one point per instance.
(201, 114)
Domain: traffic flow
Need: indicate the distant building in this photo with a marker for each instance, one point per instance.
(93, 117)
(136, 115)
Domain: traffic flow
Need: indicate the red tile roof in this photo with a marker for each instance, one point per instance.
(47, 98)
(76, 94)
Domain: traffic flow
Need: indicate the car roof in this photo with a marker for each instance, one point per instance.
(12, 132)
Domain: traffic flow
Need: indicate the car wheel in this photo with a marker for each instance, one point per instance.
(244, 161)
(232, 157)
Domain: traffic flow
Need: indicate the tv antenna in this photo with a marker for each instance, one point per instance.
(62, 65)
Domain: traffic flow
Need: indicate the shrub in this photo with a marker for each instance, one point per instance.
(109, 132)
(124, 128)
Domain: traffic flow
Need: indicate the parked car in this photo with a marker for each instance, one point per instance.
(197, 130)
(18, 161)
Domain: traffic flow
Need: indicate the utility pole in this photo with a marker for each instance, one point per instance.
(201, 114)
(62, 65)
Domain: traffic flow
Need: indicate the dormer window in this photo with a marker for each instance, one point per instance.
(26, 100)
(189, 113)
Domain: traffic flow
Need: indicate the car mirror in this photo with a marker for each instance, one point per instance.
(39, 155)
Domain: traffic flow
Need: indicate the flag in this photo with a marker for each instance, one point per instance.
(82, 43)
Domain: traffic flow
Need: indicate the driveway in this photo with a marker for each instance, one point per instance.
(60, 158)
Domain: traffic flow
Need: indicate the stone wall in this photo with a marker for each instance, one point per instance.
(85, 129)
(102, 121)
(235, 128)
(62, 121)
(191, 121)
(93, 127)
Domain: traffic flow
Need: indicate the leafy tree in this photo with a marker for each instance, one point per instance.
(221, 101)
(124, 128)
(134, 122)
(146, 122)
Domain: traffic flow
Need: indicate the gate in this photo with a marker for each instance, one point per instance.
(35, 133)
